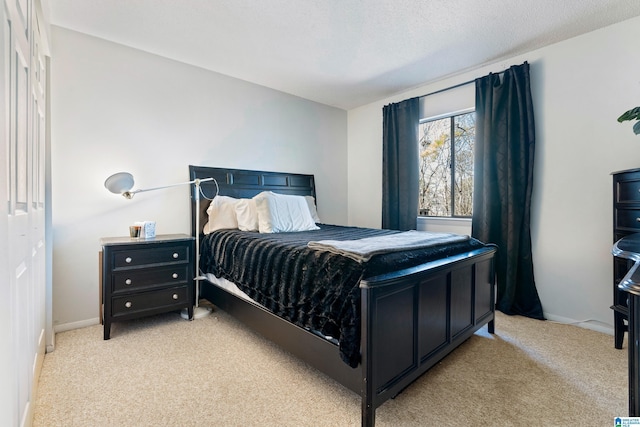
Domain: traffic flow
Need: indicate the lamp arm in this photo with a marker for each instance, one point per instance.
(142, 190)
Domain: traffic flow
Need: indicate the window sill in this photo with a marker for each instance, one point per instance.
(445, 225)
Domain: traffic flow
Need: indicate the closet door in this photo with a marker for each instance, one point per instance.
(22, 284)
(7, 402)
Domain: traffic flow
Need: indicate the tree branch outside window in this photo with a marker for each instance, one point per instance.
(446, 166)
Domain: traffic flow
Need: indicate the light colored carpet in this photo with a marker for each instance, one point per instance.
(166, 371)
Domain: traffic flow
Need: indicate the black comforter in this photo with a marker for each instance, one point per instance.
(313, 289)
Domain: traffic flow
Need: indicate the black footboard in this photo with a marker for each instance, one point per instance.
(413, 318)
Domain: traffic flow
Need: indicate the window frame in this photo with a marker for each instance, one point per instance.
(450, 116)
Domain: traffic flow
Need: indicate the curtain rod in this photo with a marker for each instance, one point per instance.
(455, 86)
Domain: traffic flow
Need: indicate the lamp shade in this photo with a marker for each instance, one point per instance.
(119, 183)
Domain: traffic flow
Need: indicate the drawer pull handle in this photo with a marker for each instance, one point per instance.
(174, 275)
(638, 219)
(175, 296)
(128, 304)
(175, 255)
(127, 282)
(128, 260)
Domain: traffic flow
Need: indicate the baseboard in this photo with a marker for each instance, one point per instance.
(76, 325)
(594, 325)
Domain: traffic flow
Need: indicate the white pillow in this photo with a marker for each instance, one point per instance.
(311, 201)
(222, 214)
(278, 213)
(247, 215)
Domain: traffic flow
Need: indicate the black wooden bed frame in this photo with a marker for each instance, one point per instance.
(411, 319)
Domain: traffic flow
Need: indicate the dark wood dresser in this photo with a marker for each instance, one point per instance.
(626, 221)
(629, 248)
(141, 277)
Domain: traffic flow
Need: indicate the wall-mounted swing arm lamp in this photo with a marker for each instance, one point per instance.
(122, 183)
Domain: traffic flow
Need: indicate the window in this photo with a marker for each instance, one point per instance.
(446, 166)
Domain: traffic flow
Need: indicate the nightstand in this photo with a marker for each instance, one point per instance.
(142, 277)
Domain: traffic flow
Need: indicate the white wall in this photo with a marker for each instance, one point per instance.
(116, 108)
(579, 88)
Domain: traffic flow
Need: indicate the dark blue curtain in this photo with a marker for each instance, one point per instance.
(400, 165)
(503, 180)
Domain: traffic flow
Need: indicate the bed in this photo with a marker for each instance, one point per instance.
(407, 318)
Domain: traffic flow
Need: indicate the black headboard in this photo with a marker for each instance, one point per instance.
(240, 183)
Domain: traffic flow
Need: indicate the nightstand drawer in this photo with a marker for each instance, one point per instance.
(141, 278)
(135, 303)
(627, 219)
(628, 188)
(157, 255)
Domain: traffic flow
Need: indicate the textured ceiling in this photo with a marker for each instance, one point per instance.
(343, 53)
